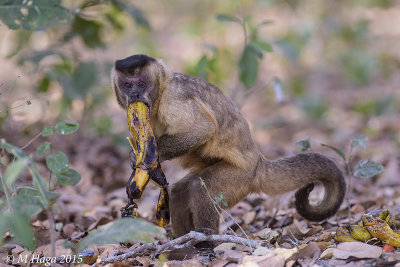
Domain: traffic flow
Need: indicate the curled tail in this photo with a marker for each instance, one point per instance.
(303, 171)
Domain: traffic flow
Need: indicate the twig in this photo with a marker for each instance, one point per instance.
(33, 139)
(275, 213)
(216, 206)
(180, 242)
(9, 88)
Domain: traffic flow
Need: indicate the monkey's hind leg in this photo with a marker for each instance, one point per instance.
(181, 215)
(192, 203)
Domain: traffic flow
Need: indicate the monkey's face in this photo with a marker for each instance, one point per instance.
(134, 81)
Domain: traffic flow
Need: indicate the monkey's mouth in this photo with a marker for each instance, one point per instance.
(133, 97)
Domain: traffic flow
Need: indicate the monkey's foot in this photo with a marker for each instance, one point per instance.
(129, 210)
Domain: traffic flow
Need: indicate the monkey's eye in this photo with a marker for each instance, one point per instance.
(127, 85)
(142, 84)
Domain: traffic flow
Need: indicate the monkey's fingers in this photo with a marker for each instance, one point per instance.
(129, 210)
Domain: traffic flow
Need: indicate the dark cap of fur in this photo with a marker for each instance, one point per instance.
(131, 63)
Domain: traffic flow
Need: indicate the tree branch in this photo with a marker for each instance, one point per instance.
(180, 242)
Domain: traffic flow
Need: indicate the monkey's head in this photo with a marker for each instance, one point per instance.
(138, 78)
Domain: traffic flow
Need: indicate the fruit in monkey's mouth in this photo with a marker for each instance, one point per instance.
(147, 168)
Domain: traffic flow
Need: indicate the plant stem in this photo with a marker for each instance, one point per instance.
(218, 208)
(243, 23)
(5, 189)
(31, 141)
(52, 232)
(349, 185)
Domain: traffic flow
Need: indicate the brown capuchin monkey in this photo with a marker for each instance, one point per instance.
(194, 121)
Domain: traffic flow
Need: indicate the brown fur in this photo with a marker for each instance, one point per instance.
(195, 122)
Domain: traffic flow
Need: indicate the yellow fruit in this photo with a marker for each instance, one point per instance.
(359, 233)
(343, 235)
(385, 215)
(144, 146)
(142, 142)
(381, 230)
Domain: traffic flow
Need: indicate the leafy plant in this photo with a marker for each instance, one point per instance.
(21, 203)
(33, 15)
(253, 48)
(304, 145)
(82, 27)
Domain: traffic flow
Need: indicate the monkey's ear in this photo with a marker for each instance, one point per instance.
(164, 72)
(115, 87)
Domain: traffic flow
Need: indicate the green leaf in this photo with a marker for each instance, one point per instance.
(122, 230)
(366, 168)
(338, 150)
(39, 184)
(263, 45)
(88, 30)
(16, 151)
(132, 10)
(68, 177)
(52, 195)
(57, 162)
(59, 226)
(68, 244)
(43, 85)
(225, 17)
(47, 131)
(248, 65)
(202, 183)
(201, 67)
(33, 15)
(20, 228)
(303, 145)
(84, 77)
(13, 171)
(27, 201)
(43, 149)
(65, 127)
(359, 141)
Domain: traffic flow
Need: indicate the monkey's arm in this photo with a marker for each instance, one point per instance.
(172, 146)
(190, 125)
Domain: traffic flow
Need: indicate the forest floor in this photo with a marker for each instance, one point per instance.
(288, 239)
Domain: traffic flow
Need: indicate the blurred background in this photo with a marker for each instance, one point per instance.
(328, 70)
